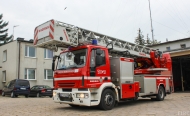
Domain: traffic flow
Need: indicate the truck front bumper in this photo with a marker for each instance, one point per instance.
(75, 97)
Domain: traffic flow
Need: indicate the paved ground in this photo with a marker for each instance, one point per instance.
(174, 104)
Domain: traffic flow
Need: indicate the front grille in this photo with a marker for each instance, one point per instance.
(66, 84)
(67, 90)
(65, 99)
(82, 89)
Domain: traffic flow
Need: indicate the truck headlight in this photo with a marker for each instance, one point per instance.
(54, 93)
(82, 95)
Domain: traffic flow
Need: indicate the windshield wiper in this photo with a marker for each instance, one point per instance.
(72, 67)
(61, 69)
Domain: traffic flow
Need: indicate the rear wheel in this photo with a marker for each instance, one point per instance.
(50, 96)
(38, 95)
(161, 94)
(12, 94)
(16, 95)
(3, 93)
(107, 100)
(136, 96)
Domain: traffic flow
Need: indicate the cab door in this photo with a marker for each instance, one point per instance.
(99, 67)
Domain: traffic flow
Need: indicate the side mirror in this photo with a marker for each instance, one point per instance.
(53, 65)
(53, 62)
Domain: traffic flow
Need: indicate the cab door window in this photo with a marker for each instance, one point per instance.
(97, 58)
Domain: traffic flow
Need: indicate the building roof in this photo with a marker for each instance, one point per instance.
(174, 41)
(22, 40)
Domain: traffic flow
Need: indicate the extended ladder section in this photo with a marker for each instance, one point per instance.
(54, 34)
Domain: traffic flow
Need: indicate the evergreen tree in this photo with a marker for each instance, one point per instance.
(148, 41)
(4, 38)
(157, 42)
(139, 39)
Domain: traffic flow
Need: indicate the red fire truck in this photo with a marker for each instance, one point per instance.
(99, 70)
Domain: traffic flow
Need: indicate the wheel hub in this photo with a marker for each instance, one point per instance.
(108, 100)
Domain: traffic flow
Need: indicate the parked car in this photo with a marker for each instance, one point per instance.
(41, 90)
(17, 87)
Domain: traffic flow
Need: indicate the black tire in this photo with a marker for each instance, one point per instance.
(161, 94)
(50, 96)
(16, 95)
(72, 105)
(3, 93)
(12, 94)
(38, 95)
(136, 96)
(26, 96)
(107, 100)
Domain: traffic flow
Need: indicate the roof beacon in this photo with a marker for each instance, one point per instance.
(94, 42)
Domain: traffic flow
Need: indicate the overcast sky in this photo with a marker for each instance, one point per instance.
(116, 18)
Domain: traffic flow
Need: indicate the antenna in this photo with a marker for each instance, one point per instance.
(151, 23)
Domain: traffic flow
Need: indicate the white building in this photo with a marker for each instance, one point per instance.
(20, 59)
(180, 53)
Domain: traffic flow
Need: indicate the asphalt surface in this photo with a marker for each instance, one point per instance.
(176, 104)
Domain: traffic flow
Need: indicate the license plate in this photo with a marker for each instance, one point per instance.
(64, 94)
(48, 90)
(23, 88)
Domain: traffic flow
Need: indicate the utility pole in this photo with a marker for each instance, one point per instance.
(13, 30)
(151, 23)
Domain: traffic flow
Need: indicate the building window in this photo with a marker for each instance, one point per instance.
(30, 51)
(183, 46)
(4, 55)
(168, 48)
(48, 53)
(4, 76)
(48, 74)
(30, 74)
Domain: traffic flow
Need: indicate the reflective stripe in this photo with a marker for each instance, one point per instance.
(79, 78)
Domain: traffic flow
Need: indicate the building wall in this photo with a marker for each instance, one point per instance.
(39, 63)
(173, 45)
(13, 70)
(10, 65)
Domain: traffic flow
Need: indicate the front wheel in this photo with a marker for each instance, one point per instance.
(107, 100)
(161, 94)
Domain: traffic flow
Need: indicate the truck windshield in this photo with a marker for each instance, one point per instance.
(72, 59)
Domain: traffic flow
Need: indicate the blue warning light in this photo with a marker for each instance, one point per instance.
(94, 42)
